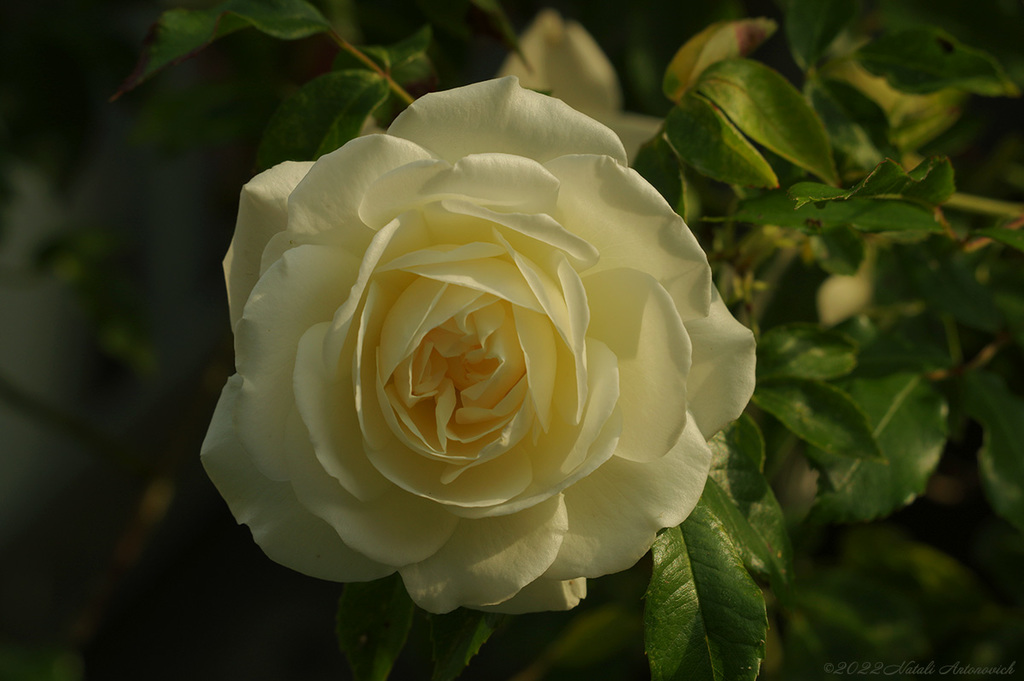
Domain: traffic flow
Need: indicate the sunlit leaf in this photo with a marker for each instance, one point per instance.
(721, 40)
(181, 33)
(867, 215)
(821, 414)
(769, 110)
(812, 25)
(704, 138)
(457, 637)
(908, 420)
(327, 112)
(704, 617)
(927, 59)
(739, 495)
(804, 351)
(931, 183)
(1001, 459)
(373, 622)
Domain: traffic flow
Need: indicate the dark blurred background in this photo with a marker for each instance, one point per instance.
(117, 557)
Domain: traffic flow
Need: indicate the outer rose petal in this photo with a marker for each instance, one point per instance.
(500, 116)
(328, 198)
(488, 560)
(283, 528)
(616, 511)
(543, 594)
(632, 226)
(262, 212)
(299, 290)
(722, 375)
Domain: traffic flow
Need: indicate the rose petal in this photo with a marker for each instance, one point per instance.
(395, 528)
(327, 407)
(632, 226)
(283, 528)
(537, 236)
(500, 116)
(302, 289)
(616, 511)
(722, 375)
(487, 561)
(328, 198)
(541, 595)
(568, 452)
(262, 212)
(498, 182)
(637, 320)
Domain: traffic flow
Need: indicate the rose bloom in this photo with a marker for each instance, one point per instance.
(478, 350)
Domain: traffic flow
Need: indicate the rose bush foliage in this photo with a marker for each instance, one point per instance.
(478, 350)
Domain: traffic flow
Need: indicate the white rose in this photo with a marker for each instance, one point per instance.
(565, 60)
(478, 350)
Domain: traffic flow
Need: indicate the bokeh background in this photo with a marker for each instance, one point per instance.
(117, 557)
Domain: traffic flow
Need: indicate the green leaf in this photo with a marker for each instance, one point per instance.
(908, 420)
(804, 351)
(373, 622)
(922, 60)
(456, 637)
(856, 125)
(704, 138)
(1010, 237)
(705, 617)
(867, 215)
(739, 495)
(405, 61)
(947, 280)
(842, 620)
(459, 16)
(812, 25)
(327, 112)
(945, 591)
(721, 40)
(883, 353)
(820, 414)
(771, 112)
(930, 183)
(182, 33)
(839, 250)
(659, 165)
(1001, 458)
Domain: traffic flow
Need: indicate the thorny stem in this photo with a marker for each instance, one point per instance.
(982, 241)
(373, 66)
